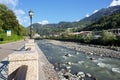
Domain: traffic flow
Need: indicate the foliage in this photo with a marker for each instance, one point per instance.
(88, 38)
(108, 22)
(5, 39)
(8, 21)
(76, 26)
(104, 19)
(107, 37)
(74, 38)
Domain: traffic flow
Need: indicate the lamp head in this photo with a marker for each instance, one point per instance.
(30, 13)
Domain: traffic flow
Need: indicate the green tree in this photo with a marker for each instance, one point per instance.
(107, 37)
(108, 22)
(88, 38)
(8, 21)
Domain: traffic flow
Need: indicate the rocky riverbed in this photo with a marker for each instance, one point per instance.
(46, 69)
(74, 61)
(105, 51)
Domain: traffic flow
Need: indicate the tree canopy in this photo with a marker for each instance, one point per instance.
(108, 22)
(8, 21)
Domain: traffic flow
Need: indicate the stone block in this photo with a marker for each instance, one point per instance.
(31, 41)
(31, 46)
(28, 58)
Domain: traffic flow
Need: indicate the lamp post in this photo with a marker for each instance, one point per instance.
(31, 15)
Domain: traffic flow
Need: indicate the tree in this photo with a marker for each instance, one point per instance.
(8, 21)
(107, 37)
(88, 38)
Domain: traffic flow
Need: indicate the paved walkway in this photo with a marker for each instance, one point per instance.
(6, 49)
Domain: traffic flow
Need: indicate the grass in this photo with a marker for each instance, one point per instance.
(6, 39)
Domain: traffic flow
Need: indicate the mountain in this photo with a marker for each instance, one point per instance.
(100, 14)
(50, 28)
(105, 23)
(62, 26)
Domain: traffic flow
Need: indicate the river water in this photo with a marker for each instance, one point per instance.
(102, 68)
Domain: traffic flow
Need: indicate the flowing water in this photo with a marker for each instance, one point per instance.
(102, 68)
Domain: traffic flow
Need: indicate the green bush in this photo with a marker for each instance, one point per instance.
(107, 38)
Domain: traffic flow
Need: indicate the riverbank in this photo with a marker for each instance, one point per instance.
(90, 49)
(71, 64)
(46, 69)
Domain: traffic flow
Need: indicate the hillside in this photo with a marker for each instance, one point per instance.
(76, 26)
(45, 29)
(108, 22)
(98, 15)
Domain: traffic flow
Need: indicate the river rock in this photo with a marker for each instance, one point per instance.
(68, 55)
(88, 75)
(77, 52)
(92, 58)
(81, 74)
(68, 63)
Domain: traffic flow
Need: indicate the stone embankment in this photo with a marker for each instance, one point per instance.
(113, 52)
(45, 68)
(37, 66)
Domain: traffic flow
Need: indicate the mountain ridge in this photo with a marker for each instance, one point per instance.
(62, 26)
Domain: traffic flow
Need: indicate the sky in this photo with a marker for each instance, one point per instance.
(55, 11)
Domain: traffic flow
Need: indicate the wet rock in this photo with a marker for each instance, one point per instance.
(88, 75)
(91, 53)
(68, 63)
(68, 55)
(68, 68)
(65, 76)
(81, 74)
(77, 52)
(92, 58)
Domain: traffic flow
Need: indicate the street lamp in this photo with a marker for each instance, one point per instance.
(31, 15)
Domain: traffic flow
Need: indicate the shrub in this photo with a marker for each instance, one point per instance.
(107, 38)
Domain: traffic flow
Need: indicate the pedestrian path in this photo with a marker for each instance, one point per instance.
(6, 49)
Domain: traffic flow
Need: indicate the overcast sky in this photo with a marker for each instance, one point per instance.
(54, 11)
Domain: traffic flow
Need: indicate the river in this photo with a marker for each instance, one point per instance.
(102, 68)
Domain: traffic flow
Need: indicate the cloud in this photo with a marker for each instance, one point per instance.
(95, 11)
(19, 12)
(115, 3)
(23, 19)
(43, 22)
(10, 3)
(87, 15)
